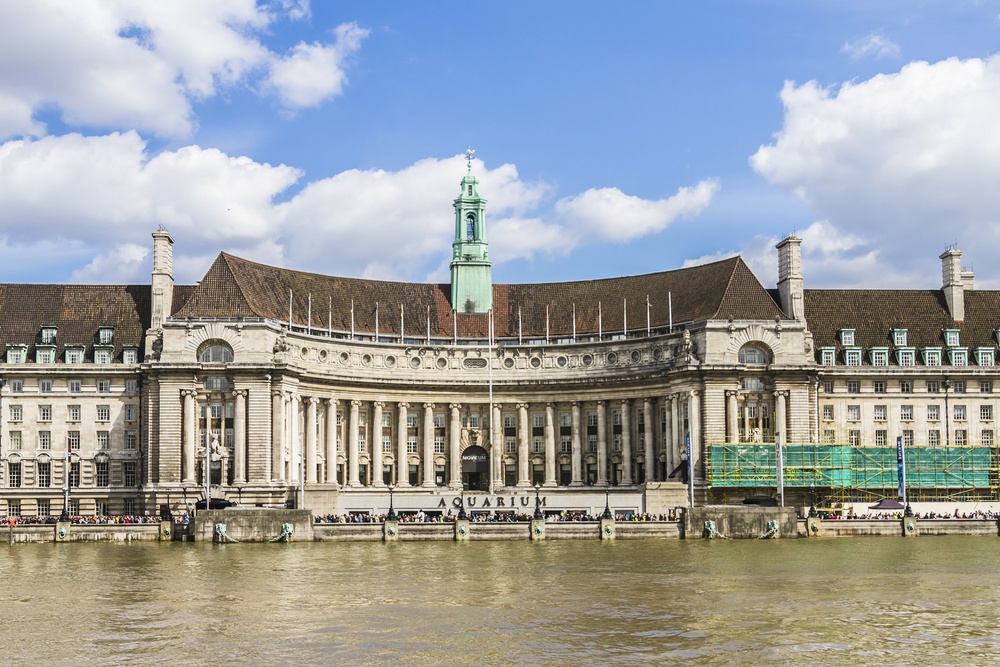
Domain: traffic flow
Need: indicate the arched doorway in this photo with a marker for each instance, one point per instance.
(475, 469)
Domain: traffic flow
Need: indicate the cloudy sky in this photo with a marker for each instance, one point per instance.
(611, 138)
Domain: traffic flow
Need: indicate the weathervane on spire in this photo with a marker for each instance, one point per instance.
(469, 152)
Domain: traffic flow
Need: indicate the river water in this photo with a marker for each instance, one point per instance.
(867, 601)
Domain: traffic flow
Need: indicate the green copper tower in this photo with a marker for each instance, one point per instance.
(471, 273)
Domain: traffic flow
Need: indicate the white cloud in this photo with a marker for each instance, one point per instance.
(872, 45)
(120, 264)
(901, 164)
(314, 73)
(139, 65)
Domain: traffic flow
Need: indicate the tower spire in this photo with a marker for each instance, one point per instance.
(471, 272)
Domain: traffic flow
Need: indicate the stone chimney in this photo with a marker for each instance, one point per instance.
(790, 287)
(163, 278)
(952, 283)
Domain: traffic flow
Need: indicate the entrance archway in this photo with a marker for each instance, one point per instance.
(475, 469)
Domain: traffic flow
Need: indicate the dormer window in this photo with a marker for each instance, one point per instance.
(958, 357)
(906, 356)
(847, 337)
(879, 356)
(932, 356)
(852, 356)
(74, 354)
(16, 354)
(130, 355)
(106, 335)
(899, 337)
(103, 354)
(951, 338)
(48, 335)
(470, 225)
(827, 356)
(45, 354)
(985, 356)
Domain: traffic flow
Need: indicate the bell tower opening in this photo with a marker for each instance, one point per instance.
(471, 269)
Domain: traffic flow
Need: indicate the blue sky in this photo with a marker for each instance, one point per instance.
(611, 138)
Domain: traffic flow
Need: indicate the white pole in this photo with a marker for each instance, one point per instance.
(647, 316)
(376, 321)
(428, 325)
(329, 319)
(489, 364)
(454, 327)
(625, 317)
(574, 322)
(519, 341)
(600, 323)
(208, 453)
(402, 322)
(670, 308)
(309, 310)
(352, 319)
(546, 323)
(289, 310)
(779, 459)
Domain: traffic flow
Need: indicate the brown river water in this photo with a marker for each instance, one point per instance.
(864, 601)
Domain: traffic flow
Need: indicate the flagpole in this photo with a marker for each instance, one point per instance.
(546, 323)
(574, 322)
(625, 317)
(309, 310)
(402, 321)
(428, 325)
(670, 310)
(600, 323)
(352, 319)
(289, 310)
(648, 328)
(329, 319)
(519, 341)
(376, 321)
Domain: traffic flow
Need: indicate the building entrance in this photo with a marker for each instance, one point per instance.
(475, 469)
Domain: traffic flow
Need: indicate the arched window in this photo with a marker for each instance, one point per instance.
(216, 354)
(470, 227)
(752, 355)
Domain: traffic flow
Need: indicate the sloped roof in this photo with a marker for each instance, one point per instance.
(77, 310)
(237, 287)
(923, 313)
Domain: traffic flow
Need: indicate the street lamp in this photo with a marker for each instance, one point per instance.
(812, 500)
(538, 504)
(607, 505)
(462, 516)
(391, 516)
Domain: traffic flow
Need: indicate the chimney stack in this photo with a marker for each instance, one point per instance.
(790, 284)
(163, 278)
(953, 283)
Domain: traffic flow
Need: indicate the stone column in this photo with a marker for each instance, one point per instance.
(353, 460)
(732, 417)
(747, 433)
(240, 437)
(550, 445)
(780, 401)
(331, 441)
(523, 473)
(402, 459)
(626, 442)
(190, 434)
(496, 442)
(310, 439)
(454, 447)
(577, 447)
(294, 438)
(602, 444)
(650, 453)
(668, 436)
(277, 436)
(376, 439)
(428, 456)
(694, 419)
(678, 428)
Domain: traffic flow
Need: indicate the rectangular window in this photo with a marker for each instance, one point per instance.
(45, 439)
(105, 335)
(74, 356)
(986, 437)
(880, 357)
(438, 420)
(616, 417)
(387, 444)
(73, 439)
(538, 420)
(565, 419)
(411, 444)
(44, 413)
(45, 356)
(104, 413)
(986, 413)
(74, 475)
(959, 386)
(130, 356)
(905, 387)
(565, 444)
(45, 386)
(881, 438)
(907, 358)
(906, 413)
(101, 470)
(907, 438)
(961, 438)
(854, 438)
(959, 357)
(591, 419)
(362, 418)
(538, 444)
(828, 412)
(827, 387)
(933, 438)
(131, 386)
(15, 439)
(847, 337)
(128, 474)
(73, 386)
(14, 508)
(104, 386)
(591, 444)
(960, 413)
(14, 474)
(44, 475)
(130, 439)
(16, 386)
(104, 440)
(411, 420)
(474, 421)
(951, 337)
(387, 420)
(879, 386)
(852, 357)
(616, 442)
(933, 413)
(853, 387)
(73, 413)
(509, 421)
(880, 413)
(827, 356)
(439, 444)
(102, 356)
(853, 413)
(829, 437)
(899, 337)
(985, 387)
(15, 413)
(985, 357)
(510, 444)
(130, 412)
(16, 355)
(932, 357)
(932, 387)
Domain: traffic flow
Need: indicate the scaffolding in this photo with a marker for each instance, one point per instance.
(841, 473)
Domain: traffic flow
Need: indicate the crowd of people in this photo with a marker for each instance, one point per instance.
(77, 519)
(490, 517)
(898, 515)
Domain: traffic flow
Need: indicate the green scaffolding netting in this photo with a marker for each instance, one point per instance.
(748, 465)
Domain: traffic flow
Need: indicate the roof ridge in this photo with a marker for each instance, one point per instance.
(251, 304)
